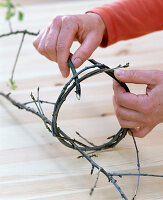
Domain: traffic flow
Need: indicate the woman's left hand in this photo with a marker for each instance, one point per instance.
(141, 112)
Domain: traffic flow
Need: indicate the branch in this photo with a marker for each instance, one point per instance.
(17, 56)
(41, 101)
(19, 32)
(24, 107)
(138, 162)
(92, 189)
(136, 174)
(72, 143)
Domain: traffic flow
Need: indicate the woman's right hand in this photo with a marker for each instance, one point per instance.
(56, 40)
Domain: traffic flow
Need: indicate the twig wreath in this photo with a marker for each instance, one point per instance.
(98, 68)
(86, 149)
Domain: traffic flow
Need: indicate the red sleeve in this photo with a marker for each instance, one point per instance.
(126, 19)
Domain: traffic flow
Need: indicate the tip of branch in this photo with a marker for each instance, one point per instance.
(77, 96)
(91, 191)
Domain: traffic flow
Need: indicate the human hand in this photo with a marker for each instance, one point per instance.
(56, 40)
(139, 112)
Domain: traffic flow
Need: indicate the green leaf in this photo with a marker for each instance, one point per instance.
(2, 5)
(20, 16)
(7, 17)
(12, 84)
(9, 14)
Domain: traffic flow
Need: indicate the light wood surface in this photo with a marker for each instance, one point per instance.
(33, 164)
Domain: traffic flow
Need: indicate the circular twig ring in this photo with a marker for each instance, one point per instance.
(62, 137)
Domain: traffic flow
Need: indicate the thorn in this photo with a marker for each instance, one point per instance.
(127, 64)
(32, 96)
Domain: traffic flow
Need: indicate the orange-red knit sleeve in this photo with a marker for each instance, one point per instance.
(126, 19)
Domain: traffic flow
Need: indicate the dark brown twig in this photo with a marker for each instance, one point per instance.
(19, 32)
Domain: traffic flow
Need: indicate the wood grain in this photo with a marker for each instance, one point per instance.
(33, 164)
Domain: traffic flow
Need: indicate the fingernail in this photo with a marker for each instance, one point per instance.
(77, 62)
(118, 73)
(64, 74)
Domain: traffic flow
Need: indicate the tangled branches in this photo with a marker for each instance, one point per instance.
(99, 68)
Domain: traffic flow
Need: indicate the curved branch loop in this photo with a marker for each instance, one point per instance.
(98, 68)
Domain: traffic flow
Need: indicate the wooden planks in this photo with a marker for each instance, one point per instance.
(33, 164)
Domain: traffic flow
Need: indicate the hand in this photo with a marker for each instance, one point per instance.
(55, 42)
(139, 112)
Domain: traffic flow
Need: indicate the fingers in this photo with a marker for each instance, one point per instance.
(39, 42)
(86, 49)
(137, 76)
(134, 111)
(139, 103)
(55, 42)
(131, 119)
(51, 39)
(65, 39)
(127, 114)
(141, 132)
(127, 118)
(45, 43)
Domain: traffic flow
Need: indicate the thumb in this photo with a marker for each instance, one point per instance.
(137, 76)
(86, 49)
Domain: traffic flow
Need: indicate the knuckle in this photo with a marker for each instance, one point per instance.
(155, 75)
(57, 19)
(61, 46)
(69, 19)
(70, 22)
(132, 74)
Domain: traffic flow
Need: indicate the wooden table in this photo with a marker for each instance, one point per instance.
(33, 164)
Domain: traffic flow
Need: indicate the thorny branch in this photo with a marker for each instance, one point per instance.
(19, 32)
(72, 143)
